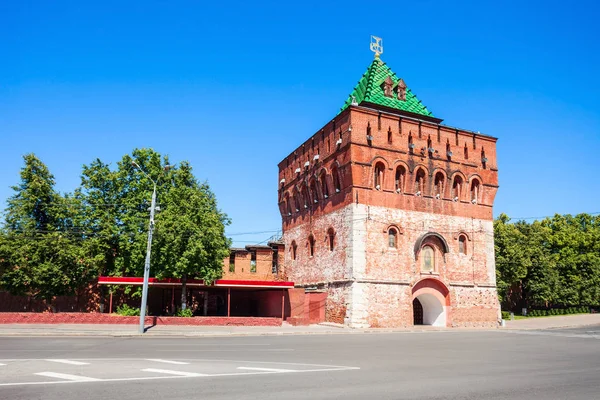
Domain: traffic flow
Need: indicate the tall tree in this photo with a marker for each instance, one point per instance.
(190, 231)
(41, 253)
(512, 258)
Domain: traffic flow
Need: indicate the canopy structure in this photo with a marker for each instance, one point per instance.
(225, 297)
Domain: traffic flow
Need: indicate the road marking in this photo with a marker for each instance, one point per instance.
(153, 378)
(178, 373)
(68, 377)
(267, 369)
(2, 364)
(167, 361)
(67, 361)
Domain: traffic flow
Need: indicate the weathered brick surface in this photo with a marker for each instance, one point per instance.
(369, 283)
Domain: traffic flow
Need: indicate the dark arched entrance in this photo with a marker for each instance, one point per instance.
(417, 312)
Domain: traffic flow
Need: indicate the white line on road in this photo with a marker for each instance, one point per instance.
(152, 378)
(167, 361)
(67, 361)
(68, 377)
(169, 372)
(267, 369)
(2, 364)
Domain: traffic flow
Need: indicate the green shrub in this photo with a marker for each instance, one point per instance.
(505, 315)
(128, 311)
(187, 313)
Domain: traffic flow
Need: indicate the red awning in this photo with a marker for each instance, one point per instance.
(128, 280)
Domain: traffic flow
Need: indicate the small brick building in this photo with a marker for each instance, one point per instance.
(389, 212)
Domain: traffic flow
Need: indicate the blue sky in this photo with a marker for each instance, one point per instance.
(233, 87)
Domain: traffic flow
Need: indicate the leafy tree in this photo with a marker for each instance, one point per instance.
(189, 239)
(512, 258)
(40, 251)
(190, 231)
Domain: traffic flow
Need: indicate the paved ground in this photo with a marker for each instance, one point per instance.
(195, 331)
(501, 364)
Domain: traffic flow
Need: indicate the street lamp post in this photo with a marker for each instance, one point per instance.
(147, 263)
(148, 249)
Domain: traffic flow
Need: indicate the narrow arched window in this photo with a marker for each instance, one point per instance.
(389, 132)
(392, 238)
(287, 205)
(378, 176)
(336, 180)
(313, 191)
(427, 259)
(331, 238)
(466, 152)
(420, 183)
(456, 188)
(297, 202)
(305, 197)
(324, 186)
(462, 244)
(294, 249)
(399, 179)
(311, 245)
(475, 187)
(439, 185)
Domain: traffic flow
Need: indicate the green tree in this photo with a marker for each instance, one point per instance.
(40, 251)
(189, 240)
(190, 231)
(512, 257)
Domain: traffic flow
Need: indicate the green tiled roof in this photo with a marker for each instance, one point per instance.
(370, 89)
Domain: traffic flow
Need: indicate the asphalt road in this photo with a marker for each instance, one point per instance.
(551, 364)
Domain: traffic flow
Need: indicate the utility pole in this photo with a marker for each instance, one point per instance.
(153, 208)
(147, 263)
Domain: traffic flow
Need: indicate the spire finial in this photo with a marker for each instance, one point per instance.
(376, 45)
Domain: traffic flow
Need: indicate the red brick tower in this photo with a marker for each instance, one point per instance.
(390, 213)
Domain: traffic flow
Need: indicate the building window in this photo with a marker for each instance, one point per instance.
(466, 152)
(330, 238)
(378, 176)
(456, 188)
(253, 261)
(420, 183)
(439, 185)
(392, 238)
(294, 249)
(474, 191)
(311, 245)
(462, 244)
(232, 262)
(324, 187)
(427, 259)
(336, 180)
(389, 132)
(399, 179)
(313, 191)
(305, 197)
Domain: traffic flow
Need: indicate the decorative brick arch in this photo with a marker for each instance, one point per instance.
(437, 239)
(434, 297)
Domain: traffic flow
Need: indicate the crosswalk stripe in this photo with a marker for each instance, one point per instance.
(170, 372)
(68, 377)
(62, 361)
(167, 361)
(267, 369)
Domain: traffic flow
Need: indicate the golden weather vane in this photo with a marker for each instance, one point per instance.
(376, 45)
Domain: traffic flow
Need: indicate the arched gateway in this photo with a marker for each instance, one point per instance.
(431, 303)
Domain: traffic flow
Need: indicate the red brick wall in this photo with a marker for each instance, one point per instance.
(97, 318)
(368, 283)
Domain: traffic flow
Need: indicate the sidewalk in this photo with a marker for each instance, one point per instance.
(561, 321)
(285, 329)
